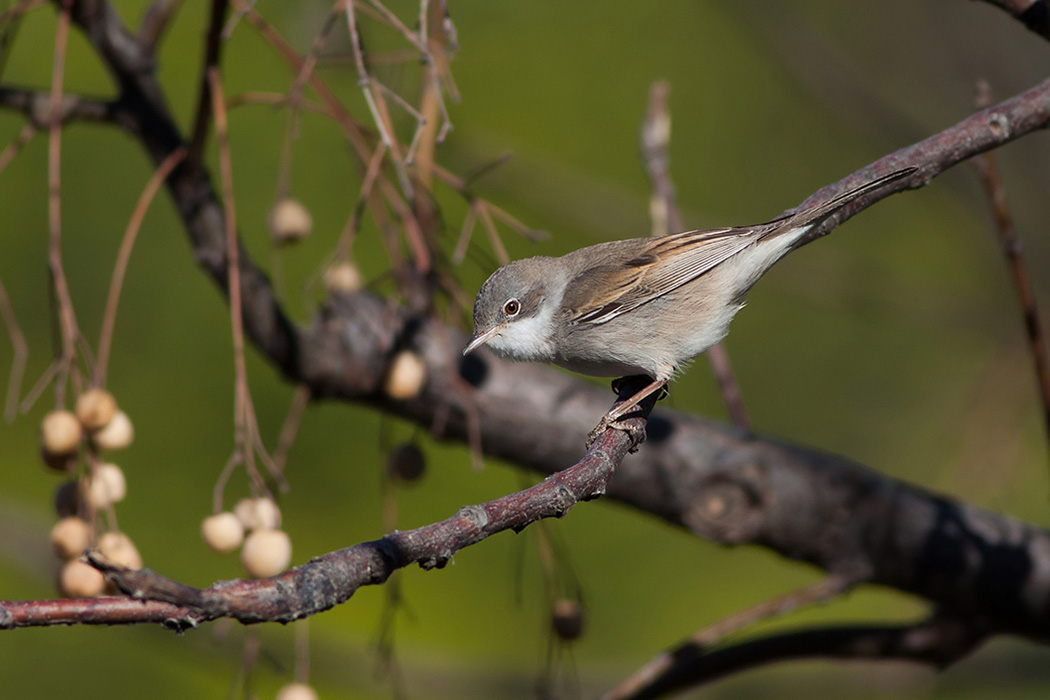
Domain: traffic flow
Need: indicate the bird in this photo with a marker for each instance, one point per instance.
(639, 306)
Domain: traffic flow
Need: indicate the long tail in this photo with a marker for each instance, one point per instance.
(814, 215)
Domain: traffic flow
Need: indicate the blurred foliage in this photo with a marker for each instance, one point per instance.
(896, 341)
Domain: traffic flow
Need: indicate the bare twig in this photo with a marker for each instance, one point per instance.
(291, 427)
(204, 115)
(939, 641)
(21, 353)
(109, 318)
(155, 22)
(66, 316)
(1013, 250)
(12, 149)
(666, 218)
(668, 664)
(333, 578)
(244, 429)
(376, 104)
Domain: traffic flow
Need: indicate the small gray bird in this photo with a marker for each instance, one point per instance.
(637, 306)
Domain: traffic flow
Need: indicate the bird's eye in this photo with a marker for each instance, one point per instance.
(512, 307)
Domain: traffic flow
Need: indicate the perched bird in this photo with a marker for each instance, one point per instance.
(641, 306)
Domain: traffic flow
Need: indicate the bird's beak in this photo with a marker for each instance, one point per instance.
(478, 340)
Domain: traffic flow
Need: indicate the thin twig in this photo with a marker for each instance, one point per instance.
(1013, 249)
(109, 318)
(376, 104)
(155, 22)
(490, 228)
(212, 50)
(667, 663)
(666, 218)
(21, 354)
(272, 99)
(243, 442)
(12, 149)
(291, 427)
(67, 318)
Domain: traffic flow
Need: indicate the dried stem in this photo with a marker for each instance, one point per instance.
(291, 427)
(1013, 249)
(155, 22)
(21, 354)
(109, 318)
(212, 50)
(666, 218)
(243, 441)
(66, 316)
(12, 149)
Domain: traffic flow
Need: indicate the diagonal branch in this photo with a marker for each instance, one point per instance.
(333, 578)
(939, 641)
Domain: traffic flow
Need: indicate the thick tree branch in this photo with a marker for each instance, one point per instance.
(718, 483)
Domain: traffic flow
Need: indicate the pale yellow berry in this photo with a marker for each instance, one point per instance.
(106, 486)
(60, 433)
(407, 376)
(289, 221)
(266, 553)
(117, 433)
(297, 691)
(342, 278)
(95, 408)
(80, 580)
(70, 537)
(119, 549)
(222, 532)
(258, 513)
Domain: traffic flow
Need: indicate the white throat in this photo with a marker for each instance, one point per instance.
(529, 339)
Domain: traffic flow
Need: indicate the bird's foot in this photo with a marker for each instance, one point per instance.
(633, 430)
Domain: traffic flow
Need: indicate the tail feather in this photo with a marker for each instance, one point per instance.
(814, 215)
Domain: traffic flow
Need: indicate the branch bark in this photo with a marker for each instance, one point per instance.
(710, 479)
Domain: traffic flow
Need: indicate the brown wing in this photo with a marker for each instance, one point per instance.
(601, 293)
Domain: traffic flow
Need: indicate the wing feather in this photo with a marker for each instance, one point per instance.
(661, 266)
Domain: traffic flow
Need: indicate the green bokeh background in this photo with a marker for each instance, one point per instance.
(896, 341)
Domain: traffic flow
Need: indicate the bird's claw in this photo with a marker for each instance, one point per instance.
(633, 430)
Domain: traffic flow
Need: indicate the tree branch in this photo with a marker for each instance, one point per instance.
(939, 642)
(331, 579)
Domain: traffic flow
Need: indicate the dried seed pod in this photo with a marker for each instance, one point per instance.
(117, 433)
(567, 619)
(106, 486)
(258, 513)
(95, 408)
(290, 221)
(407, 376)
(222, 532)
(342, 278)
(297, 691)
(70, 537)
(266, 553)
(60, 433)
(406, 463)
(119, 549)
(80, 580)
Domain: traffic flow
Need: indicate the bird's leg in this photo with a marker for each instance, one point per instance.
(612, 418)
